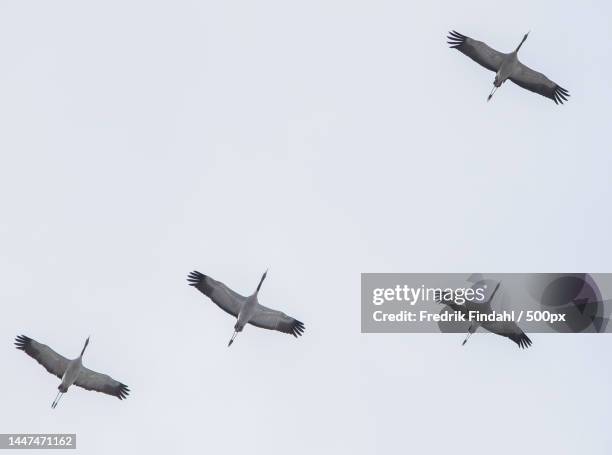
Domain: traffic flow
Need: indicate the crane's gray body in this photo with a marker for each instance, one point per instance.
(249, 308)
(71, 374)
(507, 68)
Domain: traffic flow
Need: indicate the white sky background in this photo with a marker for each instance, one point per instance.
(142, 139)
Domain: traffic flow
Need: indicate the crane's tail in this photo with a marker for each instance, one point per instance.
(232, 340)
(57, 399)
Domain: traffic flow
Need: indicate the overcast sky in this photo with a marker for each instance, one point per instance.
(141, 140)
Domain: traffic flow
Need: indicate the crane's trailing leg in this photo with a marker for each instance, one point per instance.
(57, 399)
(471, 330)
(232, 340)
(492, 92)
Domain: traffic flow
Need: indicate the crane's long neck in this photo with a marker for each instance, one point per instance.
(84, 347)
(263, 277)
(494, 291)
(521, 43)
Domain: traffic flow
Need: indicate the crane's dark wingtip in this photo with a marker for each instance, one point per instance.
(195, 277)
(560, 95)
(297, 328)
(122, 391)
(22, 341)
(455, 39)
(523, 341)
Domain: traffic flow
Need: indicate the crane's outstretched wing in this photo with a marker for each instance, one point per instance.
(476, 50)
(538, 83)
(267, 318)
(91, 380)
(510, 330)
(43, 354)
(229, 301)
